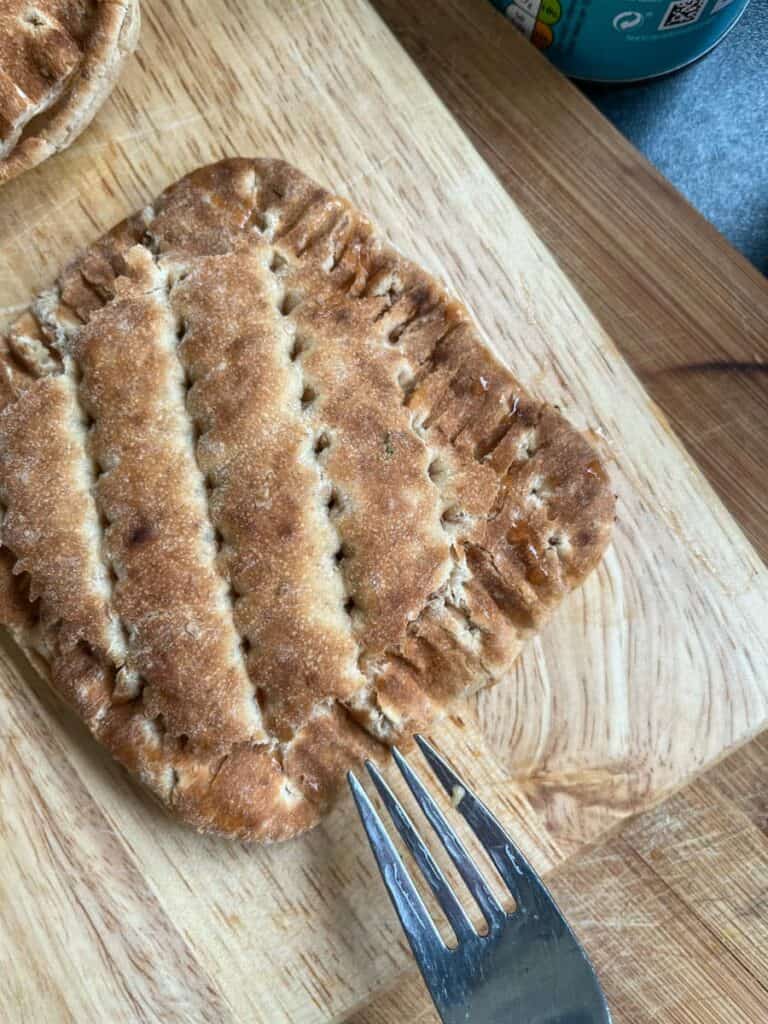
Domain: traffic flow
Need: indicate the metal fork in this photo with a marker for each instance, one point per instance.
(529, 968)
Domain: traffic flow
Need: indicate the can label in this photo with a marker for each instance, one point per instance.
(622, 40)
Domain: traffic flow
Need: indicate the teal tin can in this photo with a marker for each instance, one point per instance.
(622, 40)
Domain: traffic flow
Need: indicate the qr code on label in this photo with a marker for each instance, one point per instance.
(682, 12)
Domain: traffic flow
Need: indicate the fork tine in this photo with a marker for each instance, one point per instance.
(423, 936)
(435, 878)
(490, 906)
(507, 858)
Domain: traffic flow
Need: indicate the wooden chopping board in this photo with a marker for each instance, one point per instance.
(108, 910)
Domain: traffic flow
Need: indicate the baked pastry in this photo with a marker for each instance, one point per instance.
(58, 62)
(270, 504)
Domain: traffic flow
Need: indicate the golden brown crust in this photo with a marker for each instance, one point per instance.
(276, 502)
(58, 62)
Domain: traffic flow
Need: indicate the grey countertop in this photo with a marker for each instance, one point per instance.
(706, 129)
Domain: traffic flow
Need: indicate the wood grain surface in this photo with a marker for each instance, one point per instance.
(645, 676)
(690, 948)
